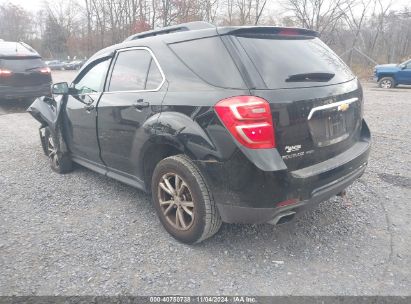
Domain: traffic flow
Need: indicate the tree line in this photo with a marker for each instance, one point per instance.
(363, 32)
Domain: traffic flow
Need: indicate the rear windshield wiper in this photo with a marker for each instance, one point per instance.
(30, 69)
(310, 77)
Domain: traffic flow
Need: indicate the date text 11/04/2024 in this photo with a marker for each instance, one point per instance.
(203, 299)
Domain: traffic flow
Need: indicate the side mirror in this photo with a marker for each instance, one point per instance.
(403, 66)
(60, 88)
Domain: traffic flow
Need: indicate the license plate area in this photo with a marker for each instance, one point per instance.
(328, 127)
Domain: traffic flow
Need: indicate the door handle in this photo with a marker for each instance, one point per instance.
(89, 107)
(141, 104)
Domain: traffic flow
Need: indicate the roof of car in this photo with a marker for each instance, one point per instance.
(202, 27)
(196, 30)
(16, 49)
(190, 26)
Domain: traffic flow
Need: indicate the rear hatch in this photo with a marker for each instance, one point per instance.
(22, 66)
(24, 71)
(316, 101)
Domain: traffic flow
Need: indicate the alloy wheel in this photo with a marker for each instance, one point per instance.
(176, 201)
(52, 152)
(386, 84)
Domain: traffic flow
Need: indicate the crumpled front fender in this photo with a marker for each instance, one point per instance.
(47, 111)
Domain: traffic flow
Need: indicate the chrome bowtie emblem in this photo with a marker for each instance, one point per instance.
(343, 107)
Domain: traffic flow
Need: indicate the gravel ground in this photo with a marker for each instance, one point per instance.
(83, 233)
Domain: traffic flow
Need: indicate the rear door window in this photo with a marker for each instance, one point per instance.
(294, 62)
(135, 70)
(154, 78)
(210, 60)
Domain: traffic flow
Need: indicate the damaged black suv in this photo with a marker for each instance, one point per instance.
(220, 124)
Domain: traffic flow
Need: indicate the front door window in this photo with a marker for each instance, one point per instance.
(93, 80)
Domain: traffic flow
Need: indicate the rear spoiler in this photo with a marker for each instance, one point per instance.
(22, 56)
(266, 31)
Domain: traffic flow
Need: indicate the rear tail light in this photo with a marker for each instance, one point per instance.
(287, 202)
(45, 70)
(5, 72)
(248, 119)
(289, 32)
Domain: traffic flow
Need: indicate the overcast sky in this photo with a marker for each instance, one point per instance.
(35, 5)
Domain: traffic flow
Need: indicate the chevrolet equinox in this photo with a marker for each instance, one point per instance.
(220, 124)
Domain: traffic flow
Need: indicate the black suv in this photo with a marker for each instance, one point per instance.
(220, 124)
(23, 74)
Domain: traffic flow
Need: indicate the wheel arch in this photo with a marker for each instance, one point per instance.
(156, 151)
(383, 75)
(174, 133)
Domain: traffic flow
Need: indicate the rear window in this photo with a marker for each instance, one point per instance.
(291, 63)
(209, 59)
(8, 48)
(21, 64)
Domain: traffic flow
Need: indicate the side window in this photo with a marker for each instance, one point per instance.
(135, 70)
(154, 77)
(93, 80)
(408, 65)
(210, 60)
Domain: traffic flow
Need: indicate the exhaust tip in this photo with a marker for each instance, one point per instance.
(286, 219)
(283, 218)
(342, 193)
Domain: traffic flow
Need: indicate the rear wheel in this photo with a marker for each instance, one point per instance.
(60, 161)
(386, 83)
(183, 200)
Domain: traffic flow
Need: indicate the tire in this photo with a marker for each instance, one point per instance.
(60, 161)
(386, 83)
(42, 133)
(191, 193)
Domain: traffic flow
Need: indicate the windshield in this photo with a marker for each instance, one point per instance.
(291, 62)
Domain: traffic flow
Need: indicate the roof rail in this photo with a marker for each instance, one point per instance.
(190, 26)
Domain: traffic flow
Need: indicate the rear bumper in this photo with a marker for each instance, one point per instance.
(250, 215)
(245, 194)
(11, 92)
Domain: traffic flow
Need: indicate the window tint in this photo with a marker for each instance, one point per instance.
(135, 70)
(21, 65)
(93, 80)
(278, 59)
(209, 59)
(154, 78)
(8, 48)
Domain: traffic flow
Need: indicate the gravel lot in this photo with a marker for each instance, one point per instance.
(83, 233)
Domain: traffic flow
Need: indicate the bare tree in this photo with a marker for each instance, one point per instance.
(318, 15)
(14, 23)
(81, 27)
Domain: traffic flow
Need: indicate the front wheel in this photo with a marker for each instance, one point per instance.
(60, 161)
(386, 83)
(183, 200)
